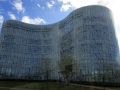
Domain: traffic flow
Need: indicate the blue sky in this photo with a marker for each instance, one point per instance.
(33, 11)
(51, 11)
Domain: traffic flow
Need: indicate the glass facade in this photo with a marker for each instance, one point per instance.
(87, 34)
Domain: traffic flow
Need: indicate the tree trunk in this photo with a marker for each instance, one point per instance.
(67, 81)
(103, 82)
(47, 80)
(80, 82)
(47, 77)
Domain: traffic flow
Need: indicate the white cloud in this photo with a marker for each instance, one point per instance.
(78, 3)
(104, 2)
(75, 3)
(12, 16)
(65, 7)
(1, 20)
(38, 5)
(37, 20)
(18, 6)
(52, 2)
(43, 7)
(50, 5)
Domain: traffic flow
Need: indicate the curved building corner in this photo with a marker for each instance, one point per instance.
(87, 34)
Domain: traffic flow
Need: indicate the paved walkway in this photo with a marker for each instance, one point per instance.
(106, 88)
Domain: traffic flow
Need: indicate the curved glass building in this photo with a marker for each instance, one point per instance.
(88, 34)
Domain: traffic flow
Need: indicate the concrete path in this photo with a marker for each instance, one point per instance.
(106, 88)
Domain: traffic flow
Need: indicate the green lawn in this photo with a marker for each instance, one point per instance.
(42, 86)
(53, 86)
(12, 83)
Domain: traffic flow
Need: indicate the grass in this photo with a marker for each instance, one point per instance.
(12, 83)
(43, 86)
(54, 86)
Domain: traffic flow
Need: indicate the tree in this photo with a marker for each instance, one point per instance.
(80, 76)
(115, 71)
(106, 72)
(67, 66)
(46, 67)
